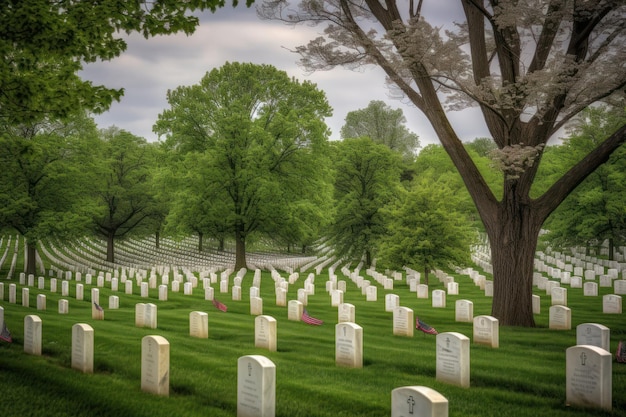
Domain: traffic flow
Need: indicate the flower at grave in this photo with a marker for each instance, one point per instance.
(420, 325)
(220, 306)
(5, 334)
(310, 320)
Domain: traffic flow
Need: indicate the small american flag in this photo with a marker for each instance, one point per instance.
(420, 325)
(219, 306)
(310, 320)
(97, 306)
(5, 334)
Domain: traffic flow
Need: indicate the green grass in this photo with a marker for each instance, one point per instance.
(524, 377)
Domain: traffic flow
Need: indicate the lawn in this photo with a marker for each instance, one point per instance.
(525, 376)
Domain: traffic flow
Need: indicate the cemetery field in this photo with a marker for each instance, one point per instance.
(524, 376)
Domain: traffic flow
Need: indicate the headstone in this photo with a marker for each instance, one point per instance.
(281, 297)
(80, 292)
(303, 296)
(32, 334)
(439, 299)
(294, 310)
(590, 289)
(559, 296)
(487, 331)
(560, 318)
(349, 345)
(145, 290)
(576, 282)
(256, 306)
(53, 285)
(612, 304)
(256, 387)
(536, 300)
(41, 301)
(265, 332)
(64, 306)
(150, 320)
(209, 293)
(392, 301)
(418, 401)
(65, 288)
(336, 298)
(128, 287)
(403, 322)
(453, 288)
(115, 284)
(488, 288)
(453, 359)
(619, 286)
(163, 292)
(464, 311)
(594, 334)
(140, 314)
(371, 293)
(236, 293)
(346, 313)
(422, 291)
(12, 293)
(588, 377)
(82, 347)
(199, 324)
(114, 302)
(25, 297)
(155, 365)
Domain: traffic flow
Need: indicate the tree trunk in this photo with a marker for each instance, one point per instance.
(611, 249)
(513, 243)
(157, 239)
(240, 251)
(426, 275)
(221, 244)
(111, 248)
(368, 258)
(200, 239)
(31, 258)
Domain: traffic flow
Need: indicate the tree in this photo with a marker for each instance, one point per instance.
(367, 178)
(123, 193)
(382, 124)
(42, 182)
(595, 211)
(43, 45)
(425, 229)
(260, 132)
(530, 66)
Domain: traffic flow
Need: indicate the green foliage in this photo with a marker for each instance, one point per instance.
(248, 135)
(595, 211)
(383, 125)
(367, 178)
(43, 45)
(426, 230)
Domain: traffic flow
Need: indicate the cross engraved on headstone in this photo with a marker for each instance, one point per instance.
(411, 403)
(249, 369)
(583, 358)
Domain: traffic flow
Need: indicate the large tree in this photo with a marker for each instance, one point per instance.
(43, 181)
(367, 179)
(44, 44)
(382, 124)
(123, 190)
(530, 66)
(260, 133)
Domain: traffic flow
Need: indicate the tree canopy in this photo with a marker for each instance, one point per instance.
(258, 132)
(529, 66)
(43, 45)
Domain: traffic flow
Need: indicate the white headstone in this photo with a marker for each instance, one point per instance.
(560, 318)
(371, 293)
(422, 291)
(590, 289)
(349, 345)
(391, 302)
(594, 334)
(256, 387)
(403, 322)
(32, 334)
(346, 313)
(588, 378)
(487, 331)
(155, 365)
(453, 359)
(25, 297)
(82, 347)
(265, 332)
(41, 301)
(199, 324)
(418, 401)
(64, 306)
(439, 299)
(612, 304)
(464, 311)
(256, 306)
(559, 296)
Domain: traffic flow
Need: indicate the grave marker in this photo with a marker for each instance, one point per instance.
(464, 311)
(593, 334)
(199, 324)
(41, 301)
(155, 365)
(265, 332)
(32, 334)
(588, 380)
(418, 401)
(346, 313)
(403, 322)
(612, 304)
(256, 306)
(256, 387)
(560, 318)
(82, 347)
(590, 289)
(453, 359)
(487, 331)
(439, 299)
(64, 306)
(349, 345)
(294, 310)
(391, 302)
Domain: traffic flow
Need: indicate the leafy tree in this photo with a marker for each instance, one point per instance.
(260, 133)
(123, 192)
(367, 178)
(382, 124)
(43, 45)
(426, 230)
(530, 66)
(595, 211)
(42, 182)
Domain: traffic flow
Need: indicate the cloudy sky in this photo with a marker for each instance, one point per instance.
(149, 68)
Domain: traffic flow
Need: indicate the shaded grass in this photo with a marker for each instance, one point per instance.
(524, 377)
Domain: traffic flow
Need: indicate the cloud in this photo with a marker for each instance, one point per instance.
(151, 67)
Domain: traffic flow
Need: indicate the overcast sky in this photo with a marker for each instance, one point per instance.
(149, 68)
